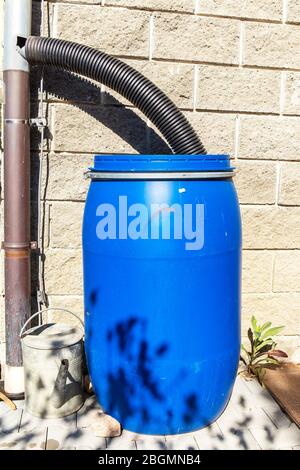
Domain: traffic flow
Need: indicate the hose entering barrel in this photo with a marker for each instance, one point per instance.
(122, 78)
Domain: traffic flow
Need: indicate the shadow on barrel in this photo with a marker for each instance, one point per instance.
(135, 386)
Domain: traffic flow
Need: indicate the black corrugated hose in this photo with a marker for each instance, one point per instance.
(122, 78)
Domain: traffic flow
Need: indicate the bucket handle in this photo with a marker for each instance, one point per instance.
(46, 310)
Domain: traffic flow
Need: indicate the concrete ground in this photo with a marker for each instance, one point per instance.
(252, 420)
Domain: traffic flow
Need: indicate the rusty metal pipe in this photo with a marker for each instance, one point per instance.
(16, 191)
(16, 219)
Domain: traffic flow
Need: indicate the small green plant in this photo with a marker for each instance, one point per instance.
(263, 350)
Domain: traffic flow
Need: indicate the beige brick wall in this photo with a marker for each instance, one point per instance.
(233, 67)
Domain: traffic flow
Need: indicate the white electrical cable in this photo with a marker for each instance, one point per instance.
(40, 292)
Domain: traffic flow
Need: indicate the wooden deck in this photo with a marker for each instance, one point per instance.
(252, 420)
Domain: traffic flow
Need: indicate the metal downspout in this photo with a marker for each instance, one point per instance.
(17, 22)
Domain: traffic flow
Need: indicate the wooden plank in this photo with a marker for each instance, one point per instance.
(240, 439)
(250, 417)
(181, 442)
(241, 397)
(10, 421)
(260, 396)
(144, 442)
(255, 398)
(284, 384)
(88, 412)
(278, 417)
(35, 440)
(124, 442)
(92, 417)
(210, 438)
(247, 423)
(8, 402)
(59, 438)
(244, 415)
(286, 437)
(11, 441)
(29, 422)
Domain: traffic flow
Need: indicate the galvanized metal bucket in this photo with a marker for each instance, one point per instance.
(53, 360)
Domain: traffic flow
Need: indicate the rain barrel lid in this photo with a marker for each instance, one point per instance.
(161, 163)
(52, 336)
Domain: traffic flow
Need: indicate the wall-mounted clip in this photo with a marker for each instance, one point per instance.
(39, 122)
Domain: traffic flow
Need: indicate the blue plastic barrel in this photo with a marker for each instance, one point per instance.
(162, 262)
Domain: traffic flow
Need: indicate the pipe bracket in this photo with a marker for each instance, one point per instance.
(39, 122)
(33, 246)
(17, 121)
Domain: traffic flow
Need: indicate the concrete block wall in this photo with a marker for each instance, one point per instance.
(233, 67)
